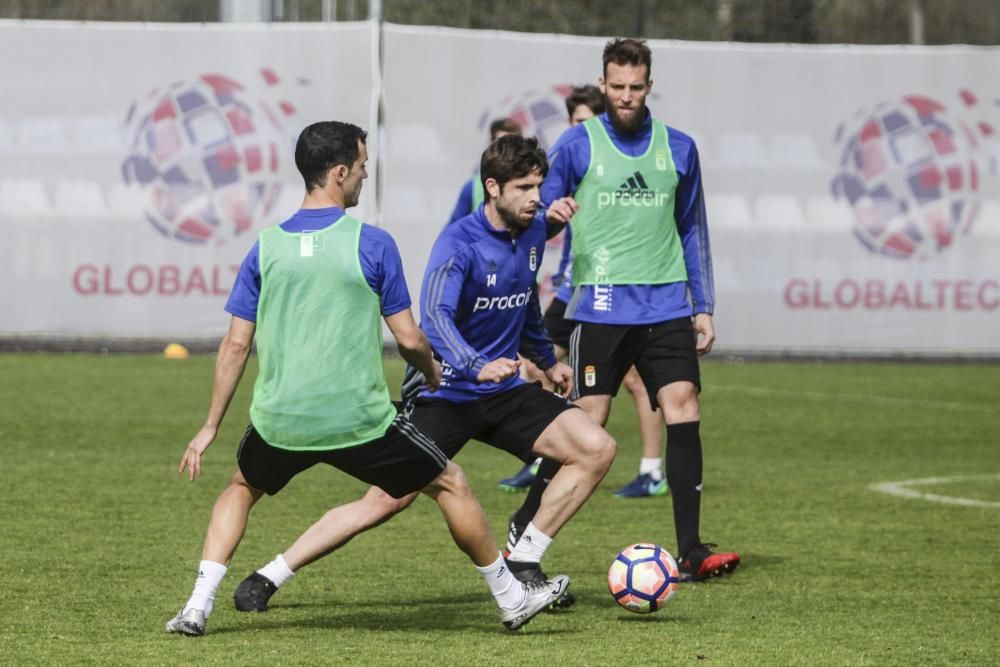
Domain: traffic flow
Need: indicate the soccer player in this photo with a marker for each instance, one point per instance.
(480, 308)
(640, 247)
(312, 291)
(583, 103)
(471, 196)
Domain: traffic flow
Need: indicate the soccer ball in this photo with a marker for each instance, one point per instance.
(643, 577)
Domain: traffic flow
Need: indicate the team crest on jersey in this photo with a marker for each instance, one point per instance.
(600, 170)
(590, 376)
(661, 160)
(533, 259)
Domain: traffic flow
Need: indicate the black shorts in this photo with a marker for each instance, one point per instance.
(510, 420)
(558, 326)
(601, 355)
(402, 461)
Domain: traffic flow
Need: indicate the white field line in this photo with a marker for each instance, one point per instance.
(902, 490)
(991, 409)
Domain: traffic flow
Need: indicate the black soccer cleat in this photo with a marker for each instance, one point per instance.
(702, 563)
(531, 573)
(253, 593)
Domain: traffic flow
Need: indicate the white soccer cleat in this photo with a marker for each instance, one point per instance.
(537, 596)
(190, 623)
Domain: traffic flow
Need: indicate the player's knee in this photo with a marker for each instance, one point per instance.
(451, 480)
(634, 385)
(597, 448)
(380, 506)
(685, 408)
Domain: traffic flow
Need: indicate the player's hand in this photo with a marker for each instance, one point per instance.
(191, 460)
(498, 370)
(704, 332)
(561, 211)
(432, 382)
(561, 376)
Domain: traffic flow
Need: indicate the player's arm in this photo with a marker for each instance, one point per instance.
(441, 293)
(229, 366)
(464, 204)
(692, 225)
(414, 347)
(536, 345)
(568, 164)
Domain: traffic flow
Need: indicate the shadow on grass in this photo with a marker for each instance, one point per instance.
(439, 613)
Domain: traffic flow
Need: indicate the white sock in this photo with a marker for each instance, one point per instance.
(531, 547)
(507, 591)
(210, 574)
(651, 467)
(277, 571)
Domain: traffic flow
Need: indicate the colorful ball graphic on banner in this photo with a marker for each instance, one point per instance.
(540, 113)
(205, 156)
(908, 169)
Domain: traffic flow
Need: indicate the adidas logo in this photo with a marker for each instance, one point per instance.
(633, 192)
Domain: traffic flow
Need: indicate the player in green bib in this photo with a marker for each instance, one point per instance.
(643, 294)
(314, 291)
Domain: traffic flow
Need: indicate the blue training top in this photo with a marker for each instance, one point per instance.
(479, 303)
(380, 264)
(641, 304)
(464, 203)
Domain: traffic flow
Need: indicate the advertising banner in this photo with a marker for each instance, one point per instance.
(852, 192)
(138, 163)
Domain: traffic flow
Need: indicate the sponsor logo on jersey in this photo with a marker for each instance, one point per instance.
(506, 302)
(633, 192)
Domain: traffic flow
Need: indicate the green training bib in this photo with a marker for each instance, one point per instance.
(321, 384)
(625, 232)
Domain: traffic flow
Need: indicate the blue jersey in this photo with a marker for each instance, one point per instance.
(562, 280)
(380, 264)
(479, 303)
(641, 304)
(464, 203)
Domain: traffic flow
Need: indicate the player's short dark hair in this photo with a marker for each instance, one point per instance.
(510, 157)
(587, 96)
(325, 145)
(508, 125)
(627, 51)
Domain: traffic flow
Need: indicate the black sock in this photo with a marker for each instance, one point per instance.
(684, 478)
(546, 471)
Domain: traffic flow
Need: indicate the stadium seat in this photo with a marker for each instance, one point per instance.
(727, 210)
(75, 199)
(43, 134)
(6, 136)
(408, 141)
(124, 201)
(794, 151)
(828, 213)
(97, 134)
(742, 150)
(988, 221)
(23, 197)
(778, 212)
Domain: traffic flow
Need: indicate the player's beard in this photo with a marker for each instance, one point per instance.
(512, 221)
(625, 126)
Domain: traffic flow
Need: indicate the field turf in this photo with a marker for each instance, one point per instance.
(100, 536)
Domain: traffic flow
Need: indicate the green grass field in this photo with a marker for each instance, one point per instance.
(101, 537)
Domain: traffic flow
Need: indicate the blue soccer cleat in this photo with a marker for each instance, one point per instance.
(643, 486)
(522, 480)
